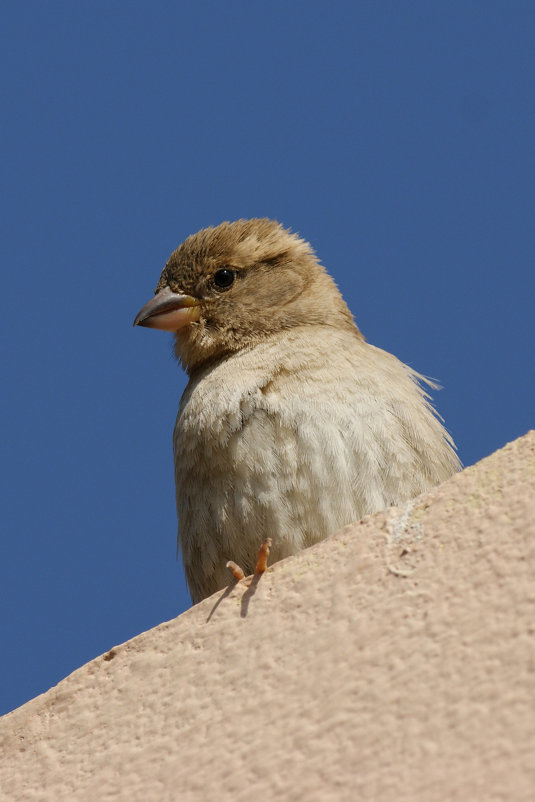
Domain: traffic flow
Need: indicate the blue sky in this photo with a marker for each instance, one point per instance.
(397, 137)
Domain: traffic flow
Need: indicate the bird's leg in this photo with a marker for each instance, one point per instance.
(263, 554)
(237, 572)
(261, 563)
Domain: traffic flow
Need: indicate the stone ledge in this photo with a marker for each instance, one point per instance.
(393, 661)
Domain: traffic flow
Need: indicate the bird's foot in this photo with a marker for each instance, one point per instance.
(237, 572)
(261, 563)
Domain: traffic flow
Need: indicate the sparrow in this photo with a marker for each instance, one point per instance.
(291, 425)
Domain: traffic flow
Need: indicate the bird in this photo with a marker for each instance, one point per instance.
(291, 425)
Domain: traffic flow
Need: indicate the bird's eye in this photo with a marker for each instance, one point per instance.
(224, 278)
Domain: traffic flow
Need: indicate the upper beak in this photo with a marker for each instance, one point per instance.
(169, 311)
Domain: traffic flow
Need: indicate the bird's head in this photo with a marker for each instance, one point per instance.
(230, 287)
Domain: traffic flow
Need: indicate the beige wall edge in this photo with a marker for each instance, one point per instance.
(394, 661)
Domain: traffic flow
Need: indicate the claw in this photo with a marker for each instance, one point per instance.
(236, 570)
(263, 554)
(261, 563)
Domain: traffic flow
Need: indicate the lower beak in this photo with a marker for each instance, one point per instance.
(169, 311)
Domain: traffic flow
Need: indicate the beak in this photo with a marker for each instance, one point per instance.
(169, 311)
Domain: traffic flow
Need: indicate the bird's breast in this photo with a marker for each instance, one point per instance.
(294, 447)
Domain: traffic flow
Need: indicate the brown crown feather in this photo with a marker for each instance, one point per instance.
(279, 284)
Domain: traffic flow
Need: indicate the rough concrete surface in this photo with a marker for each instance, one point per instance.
(394, 661)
